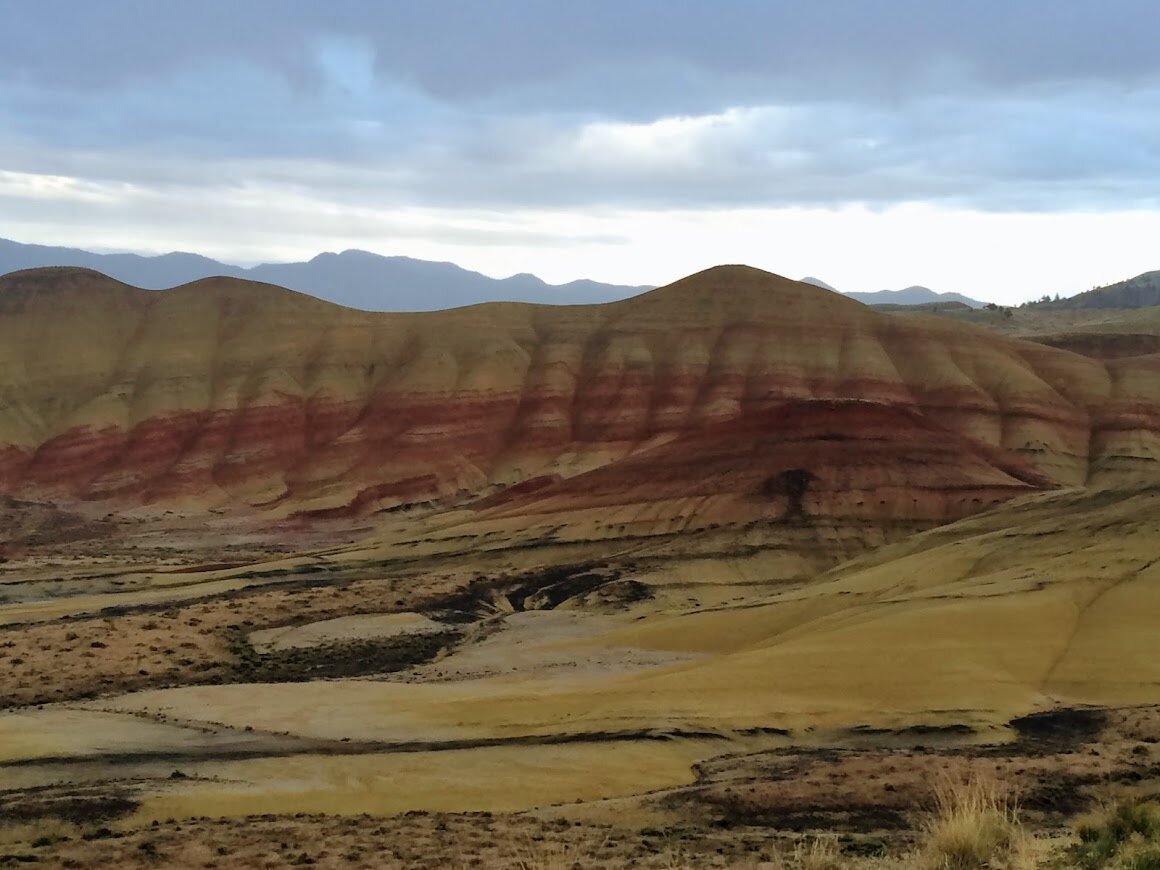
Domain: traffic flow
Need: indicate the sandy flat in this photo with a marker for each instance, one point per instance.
(374, 625)
(559, 644)
(61, 732)
(500, 779)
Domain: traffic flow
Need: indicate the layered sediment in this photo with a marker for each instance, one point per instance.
(226, 392)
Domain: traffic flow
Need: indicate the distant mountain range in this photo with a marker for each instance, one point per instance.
(360, 279)
(1143, 291)
(357, 279)
(915, 295)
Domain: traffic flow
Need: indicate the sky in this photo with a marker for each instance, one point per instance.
(999, 149)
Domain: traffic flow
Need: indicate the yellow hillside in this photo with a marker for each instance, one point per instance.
(1051, 600)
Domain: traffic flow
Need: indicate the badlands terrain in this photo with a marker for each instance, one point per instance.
(737, 572)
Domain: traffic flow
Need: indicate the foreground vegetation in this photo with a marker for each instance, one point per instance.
(973, 825)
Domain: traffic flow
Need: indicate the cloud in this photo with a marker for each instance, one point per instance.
(370, 119)
(272, 221)
(464, 50)
(508, 104)
(32, 187)
(1094, 146)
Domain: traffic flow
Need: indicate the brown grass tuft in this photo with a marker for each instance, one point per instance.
(819, 853)
(538, 855)
(37, 832)
(975, 825)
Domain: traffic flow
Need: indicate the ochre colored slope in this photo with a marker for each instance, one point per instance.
(225, 391)
(1048, 601)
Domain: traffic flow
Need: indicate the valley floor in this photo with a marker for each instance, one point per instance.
(405, 697)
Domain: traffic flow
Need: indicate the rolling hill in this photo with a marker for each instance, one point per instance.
(226, 391)
(1143, 291)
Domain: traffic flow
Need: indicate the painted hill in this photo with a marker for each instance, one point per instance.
(231, 392)
(356, 279)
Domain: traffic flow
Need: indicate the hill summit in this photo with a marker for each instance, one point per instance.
(228, 391)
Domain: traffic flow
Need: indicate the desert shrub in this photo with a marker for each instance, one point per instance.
(1149, 860)
(1123, 835)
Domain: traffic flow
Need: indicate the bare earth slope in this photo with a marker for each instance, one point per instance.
(1048, 601)
(227, 392)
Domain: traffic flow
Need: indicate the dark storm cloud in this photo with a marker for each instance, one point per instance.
(474, 49)
(1028, 104)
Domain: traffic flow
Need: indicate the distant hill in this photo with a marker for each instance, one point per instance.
(356, 279)
(915, 295)
(927, 308)
(1143, 291)
(818, 282)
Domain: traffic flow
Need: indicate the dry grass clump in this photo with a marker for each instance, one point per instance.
(819, 853)
(534, 854)
(975, 825)
(815, 853)
(37, 833)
